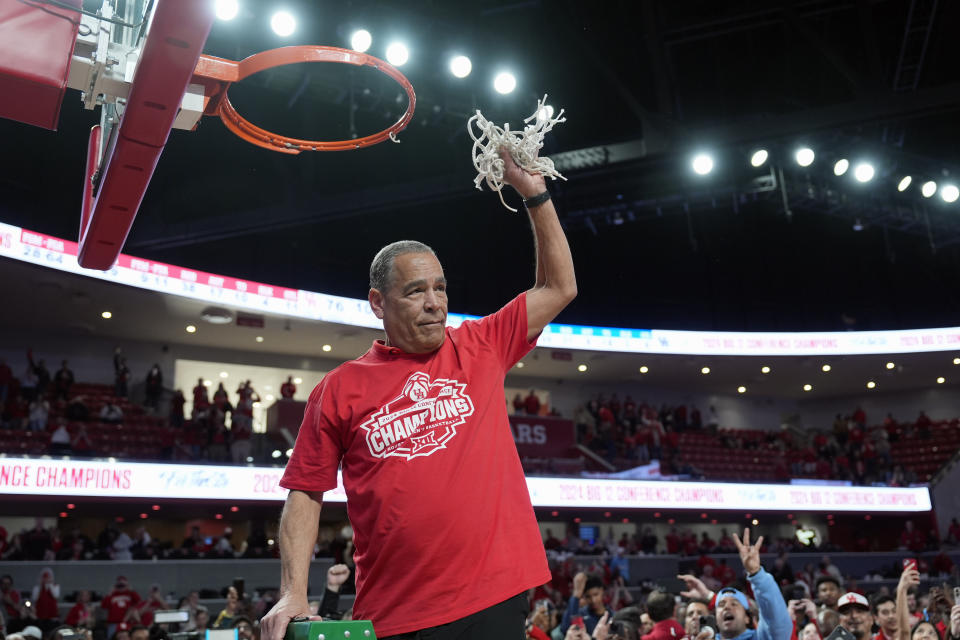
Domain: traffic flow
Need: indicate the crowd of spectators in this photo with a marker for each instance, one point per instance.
(626, 433)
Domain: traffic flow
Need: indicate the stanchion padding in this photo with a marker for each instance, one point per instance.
(331, 630)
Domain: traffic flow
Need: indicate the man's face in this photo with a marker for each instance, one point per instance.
(857, 621)
(202, 619)
(887, 618)
(646, 624)
(810, 632)
(731, 617)
(245, 631)
(691, 623)
(414, 306)
(594, 598)
(912, 602)
(5, 584)
(828, 593)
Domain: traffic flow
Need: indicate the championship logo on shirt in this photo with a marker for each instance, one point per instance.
(421, 420)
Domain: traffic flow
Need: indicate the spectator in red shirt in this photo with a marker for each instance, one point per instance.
(83, 613)
(45, 596)
(154, 602)
(860, 417)
(660, 606)
(912, 538)
(532, 404)
(10, 599)
(62, 381)
(121, 605)
(200, 398)
(176, 409)
(288, 389)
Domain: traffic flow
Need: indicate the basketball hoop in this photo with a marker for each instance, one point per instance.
(217, 74)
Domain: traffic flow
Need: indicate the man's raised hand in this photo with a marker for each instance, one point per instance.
(336, 576)
(749, 553)
(526, 184)
(695, 587)
(579, 582)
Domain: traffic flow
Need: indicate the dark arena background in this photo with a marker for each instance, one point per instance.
(761, 200)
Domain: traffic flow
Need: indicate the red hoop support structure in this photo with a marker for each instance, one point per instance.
(217, 74)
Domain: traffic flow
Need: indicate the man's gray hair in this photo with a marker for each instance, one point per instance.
(381, 269)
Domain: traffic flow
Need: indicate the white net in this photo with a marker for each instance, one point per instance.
(523, 147)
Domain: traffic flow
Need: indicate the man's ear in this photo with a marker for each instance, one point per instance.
(376, 302)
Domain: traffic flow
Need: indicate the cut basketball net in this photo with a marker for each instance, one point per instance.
(523, 147)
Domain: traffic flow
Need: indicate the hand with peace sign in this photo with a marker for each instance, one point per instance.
(749, 553)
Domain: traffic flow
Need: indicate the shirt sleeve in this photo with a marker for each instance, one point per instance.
(505, 331)
(319, 447)
(774, 622)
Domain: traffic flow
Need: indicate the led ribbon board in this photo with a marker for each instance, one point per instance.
(55, 253)
(138, 480)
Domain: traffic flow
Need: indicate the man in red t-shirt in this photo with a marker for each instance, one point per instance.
(10, 598)
(121, 605)
(444, 531)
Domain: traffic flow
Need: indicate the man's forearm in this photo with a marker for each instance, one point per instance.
(554, 261)
(298, 534)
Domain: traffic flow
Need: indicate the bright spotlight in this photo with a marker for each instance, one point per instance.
(741, 389)
(904, 183)
(841, 167)
(283, 23)
(804, 156)
(705, 370)
(702, 164)
(941, 380)
(226, 9)
(759, 157)
(397, 54)
(808, 387)
(871, 385)
(949, 192)
(928, 189)
(863, 172)
(361, 40)
(504, 83)
(460, 66)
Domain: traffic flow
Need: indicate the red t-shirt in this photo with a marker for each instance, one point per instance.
(442, 520)
(116, 604)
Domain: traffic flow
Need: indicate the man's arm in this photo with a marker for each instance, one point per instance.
(556, 283)
(774, 622)
(298, 534)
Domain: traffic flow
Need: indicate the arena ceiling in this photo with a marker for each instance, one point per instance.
(648, 83)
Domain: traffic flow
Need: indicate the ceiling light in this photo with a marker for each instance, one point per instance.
(904, 183)
(864, 172)
(191, 328)
(581, 368)
(207, 383)
(259, 338)
(270, 398)
(216, 315)
(397, 54)
(755, 522)
(520, 365)
(298, 381)
(804, 156)
(644, 369)
(759, 157)
(283, 23)
(949, 192)
(327, 347)
(857, 225)
(276, 454)
(226, 9)
(224, 374)
(106, 315)
(929, 188)
(504, 82)
(956, 361)
(871, 385)
(705, 370)
(702, 164)
(289, 452)
(941, 380)
(545, 113)
(361, 40)
(249, 458)
(808, 387)
(460, 66)
(841, 167)
(826, 368)
(764, 369)
(890, 365)
(741, 389)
